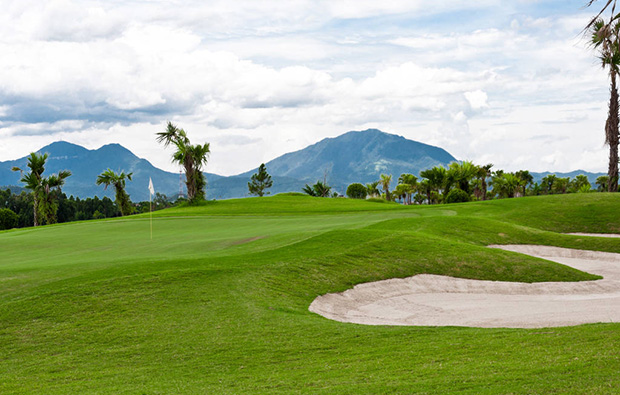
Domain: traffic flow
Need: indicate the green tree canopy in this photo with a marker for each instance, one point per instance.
(117, 180)
(385, 181)
(191, 157)
(8, 219)
(357, 191)
(260, 181)
(44, 189)
(320, 189)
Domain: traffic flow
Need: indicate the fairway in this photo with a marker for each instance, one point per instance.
(217, 301)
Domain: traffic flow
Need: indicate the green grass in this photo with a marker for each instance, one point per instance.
(217, 301)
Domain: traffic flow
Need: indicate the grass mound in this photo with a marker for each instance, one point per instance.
(218, 301)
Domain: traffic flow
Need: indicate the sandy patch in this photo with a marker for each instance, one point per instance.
(594, 234)
(431, 300)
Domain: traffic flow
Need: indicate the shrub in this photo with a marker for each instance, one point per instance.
(457, 196)
(8, 219)
(357, 191)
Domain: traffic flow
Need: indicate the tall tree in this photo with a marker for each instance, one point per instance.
(109, 177)
(579, 183)
(436, 177)
(32, 179)
(372, 189)
(411, 181)
(260, 181)
(602, 182)
(460, 175)
(191, 157)
(608, 5)
(43, 189)
(547, 184)
(385, 181)
(506, 185)
(526, 179)
(49, 194)
(482, 173)
(605, 38)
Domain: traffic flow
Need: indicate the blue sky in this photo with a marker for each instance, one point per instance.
(510, 83)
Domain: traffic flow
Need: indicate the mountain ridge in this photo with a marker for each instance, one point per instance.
(355, 156)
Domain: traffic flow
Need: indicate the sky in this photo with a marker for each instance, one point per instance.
(513, 83)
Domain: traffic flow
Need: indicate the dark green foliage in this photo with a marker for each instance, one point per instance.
(118, 180)
(320, 189)
(457, 195)
(8, 219)
(260, 181)
(191, 157)
(44, 189)
(357, 191)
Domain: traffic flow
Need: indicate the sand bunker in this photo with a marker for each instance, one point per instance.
(431, 300)
(594, 234)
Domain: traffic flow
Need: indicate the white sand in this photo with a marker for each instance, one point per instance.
(594, 234)
(431, 300)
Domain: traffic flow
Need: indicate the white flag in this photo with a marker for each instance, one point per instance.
(151, 189)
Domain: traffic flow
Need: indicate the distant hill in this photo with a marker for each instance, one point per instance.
(357, 156)
(351, 157)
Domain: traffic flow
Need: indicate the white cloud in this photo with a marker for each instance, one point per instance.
(259, 79)
(477, 99)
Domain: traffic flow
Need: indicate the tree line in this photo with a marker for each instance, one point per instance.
(464, 182)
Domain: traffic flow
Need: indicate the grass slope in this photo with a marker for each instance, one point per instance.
(218, 301)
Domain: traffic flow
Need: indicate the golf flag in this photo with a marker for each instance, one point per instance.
(152, 192)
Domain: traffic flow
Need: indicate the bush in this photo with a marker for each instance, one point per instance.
(457, 196)
(357, 191)
(8, 219)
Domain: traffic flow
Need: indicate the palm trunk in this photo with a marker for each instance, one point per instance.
(190, 182)
(611, 135)
(484, 188)
(35, 204)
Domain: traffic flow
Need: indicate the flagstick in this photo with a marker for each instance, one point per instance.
(151, 214)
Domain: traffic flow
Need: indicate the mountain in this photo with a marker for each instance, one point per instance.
(85, 165)
(351, 157)
(357, 156)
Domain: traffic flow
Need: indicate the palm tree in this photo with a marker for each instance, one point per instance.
(372, 189)
(320, 189)
(460, 174)
(605, 38)
(602, 182)
(579, 183)
(109, 177)
(47, 199)
(436, 177)
(385, 184)
(506, 185)
(36, 163)
(44, 205)
(411, 181)
(402, 191)
(191, 157)
(482, 173)
(609, 4)
(425, 188)
(526, 179)
(547, 184)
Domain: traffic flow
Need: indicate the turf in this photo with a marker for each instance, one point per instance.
(217, 301)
